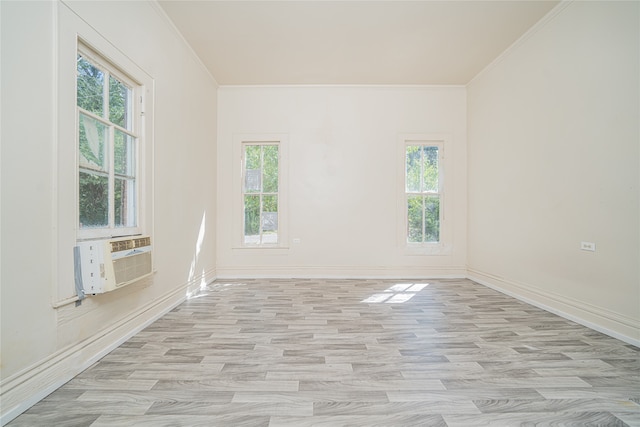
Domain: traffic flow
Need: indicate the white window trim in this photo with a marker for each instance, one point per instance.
(239, 140)
(444, 246)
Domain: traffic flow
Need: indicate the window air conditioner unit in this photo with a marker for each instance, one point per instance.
(106, 265)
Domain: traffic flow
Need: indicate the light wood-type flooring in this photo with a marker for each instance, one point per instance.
(354, 353)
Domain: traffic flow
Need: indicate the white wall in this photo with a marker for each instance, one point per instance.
(27, 126)
(343, 177)
(554, 160)
(43, 346)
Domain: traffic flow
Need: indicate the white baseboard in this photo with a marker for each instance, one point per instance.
(340, 272)
(26, 388)
(613, 324)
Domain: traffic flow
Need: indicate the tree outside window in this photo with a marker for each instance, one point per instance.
(107, 146)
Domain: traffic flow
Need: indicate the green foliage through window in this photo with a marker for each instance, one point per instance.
(90, 87)
(94, 189)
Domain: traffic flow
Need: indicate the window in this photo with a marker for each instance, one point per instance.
(423, 192)
(103, 146)
(259, 184)
(108, 147)
(260, 193)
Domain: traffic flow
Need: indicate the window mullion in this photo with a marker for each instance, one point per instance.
(125, 131)
(441, 184)
(110, 151)
(261, 169)
(261, 192)
(243, 195)
(105, 96)
(93, 116)
(423, 197)
(424, 219)
(243, 173)
(112, 180)
(136, 170)
(421, 168)
(406, 193)
(260, 219)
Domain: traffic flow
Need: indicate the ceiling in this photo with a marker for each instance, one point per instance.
(351, 42)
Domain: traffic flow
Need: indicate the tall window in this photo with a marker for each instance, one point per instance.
(260, 185)
(107, 138)
(423, 192)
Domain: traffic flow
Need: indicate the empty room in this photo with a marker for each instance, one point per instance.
(319, 213)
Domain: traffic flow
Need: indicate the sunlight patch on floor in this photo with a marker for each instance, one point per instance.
(396, 294)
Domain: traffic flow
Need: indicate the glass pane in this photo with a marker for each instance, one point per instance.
(124, 154)
(430, 171)
(269, 219)
(119, 103)
(90, 87)
(271, 237)
(432, 219)
(269, 203)
(252, 219)
(414, 219)
(93, 200)
(252, 157)
(270, 168)
(413, 168)
(253, 169)
(93, 142)
(252, 181)
(125, 202)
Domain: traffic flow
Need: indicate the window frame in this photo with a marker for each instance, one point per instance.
(443, 246)
(237, 208)
(261, 193)
(136, 131)
(423, 194)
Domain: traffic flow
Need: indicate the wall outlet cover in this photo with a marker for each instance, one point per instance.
(588, 246)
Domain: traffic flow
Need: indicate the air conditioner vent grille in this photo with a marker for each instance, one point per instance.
(125, 245)
(131, 268)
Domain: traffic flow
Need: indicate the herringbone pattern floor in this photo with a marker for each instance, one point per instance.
(354, 353)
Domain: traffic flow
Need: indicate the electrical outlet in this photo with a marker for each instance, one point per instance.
(588, 246)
